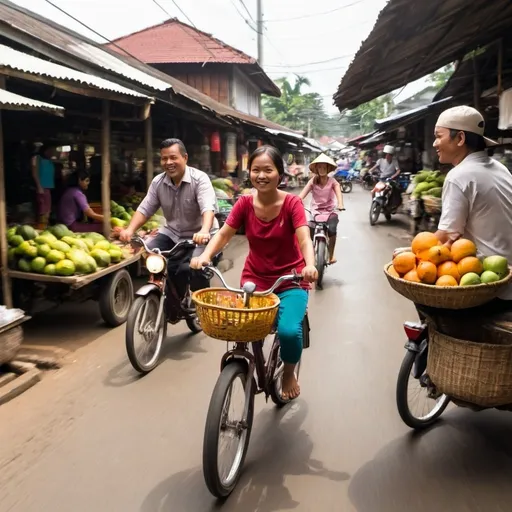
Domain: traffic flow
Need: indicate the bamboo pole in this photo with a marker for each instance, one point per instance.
(105, 166)
(6, 280)
(148, 136)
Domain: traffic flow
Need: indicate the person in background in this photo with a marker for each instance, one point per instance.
(43, 173)
(326, 196)
(279, 243)
(73, 206)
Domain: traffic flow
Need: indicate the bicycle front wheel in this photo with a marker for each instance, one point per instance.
(226, 435)
(320, 262)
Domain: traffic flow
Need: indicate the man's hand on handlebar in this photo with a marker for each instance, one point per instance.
(201, 238)
(310, 274)
(126, 235)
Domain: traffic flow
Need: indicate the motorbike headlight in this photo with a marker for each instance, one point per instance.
(155, 263)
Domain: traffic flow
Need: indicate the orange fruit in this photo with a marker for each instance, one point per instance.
(392, 271)
(404, 262)
(423, 242)
(446, 281)
(439, 254)
(462, 248)
(470, 264)
(448, 268)
(427, 272)
(412, 276)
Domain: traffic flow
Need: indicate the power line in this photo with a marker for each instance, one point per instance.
(315, 14)
(198, 39)
(313, 63)
(247, 11)
(304, 72)
(248, 23)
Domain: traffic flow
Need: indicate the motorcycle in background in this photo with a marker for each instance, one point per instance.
(383, 195)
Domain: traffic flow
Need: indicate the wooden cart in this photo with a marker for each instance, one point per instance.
(112, 287)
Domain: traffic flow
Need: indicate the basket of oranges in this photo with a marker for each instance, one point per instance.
(431, 274)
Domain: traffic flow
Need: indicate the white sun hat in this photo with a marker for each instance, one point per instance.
(388, 150)
(465, 119)
(322, 159)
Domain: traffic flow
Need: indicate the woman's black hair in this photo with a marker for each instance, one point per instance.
(273, 153)
(44, 148)
(474, 141)
(77, 177)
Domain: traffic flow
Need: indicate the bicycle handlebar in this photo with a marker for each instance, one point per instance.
(184, 243)
(289, 277)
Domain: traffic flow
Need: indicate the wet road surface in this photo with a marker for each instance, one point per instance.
(96, 437)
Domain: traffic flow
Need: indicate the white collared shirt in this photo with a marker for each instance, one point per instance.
(477, 203)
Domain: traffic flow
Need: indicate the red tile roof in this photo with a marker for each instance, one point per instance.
(176, 42)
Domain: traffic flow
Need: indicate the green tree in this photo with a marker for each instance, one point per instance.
(298, 110)
(439, 78)
(362, 119)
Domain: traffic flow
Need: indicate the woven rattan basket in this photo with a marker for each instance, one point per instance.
(222, 320)
(478, 373)
(456, 297)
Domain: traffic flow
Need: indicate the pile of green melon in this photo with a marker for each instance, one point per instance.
(428, 183)
(121, 217)
(60, 252)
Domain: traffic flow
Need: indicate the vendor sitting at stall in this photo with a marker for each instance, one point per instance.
(74, 207)
(477, 193)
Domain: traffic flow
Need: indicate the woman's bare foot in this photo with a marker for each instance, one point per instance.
(291, 388)
(332, 261)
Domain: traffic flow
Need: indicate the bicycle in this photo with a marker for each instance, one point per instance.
(321, 243)
(253, 374)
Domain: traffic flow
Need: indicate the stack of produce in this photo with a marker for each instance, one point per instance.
(121, 217)
(430, 262)
(428, 183)
(58, 251)
(132, 201)
(224, 188)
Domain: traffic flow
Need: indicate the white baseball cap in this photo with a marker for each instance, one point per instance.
(390, 150)
(465, 119)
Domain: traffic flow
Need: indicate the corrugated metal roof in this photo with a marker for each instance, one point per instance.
(412, 39)
(19, 61)
(11, 101)
(77, 45)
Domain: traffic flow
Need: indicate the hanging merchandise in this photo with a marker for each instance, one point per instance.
(505, 122)
(231, 159)
(215, 142)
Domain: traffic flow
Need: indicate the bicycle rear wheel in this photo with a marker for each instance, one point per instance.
(222, 470)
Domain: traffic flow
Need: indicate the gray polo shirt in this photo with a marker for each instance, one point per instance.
(387, 169)
(182, 206)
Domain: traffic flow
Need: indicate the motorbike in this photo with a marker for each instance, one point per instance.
(344, 178)
(369, 180)
(382, 200)
(159, 302)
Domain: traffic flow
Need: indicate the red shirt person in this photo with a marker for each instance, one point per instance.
(279, 243)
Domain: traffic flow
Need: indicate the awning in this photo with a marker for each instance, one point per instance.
(405, 118)
(27, 64)
(11, 101)
(374, 139)
(359, 138)
(412, 39)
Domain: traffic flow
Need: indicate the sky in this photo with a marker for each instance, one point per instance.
(317, 39)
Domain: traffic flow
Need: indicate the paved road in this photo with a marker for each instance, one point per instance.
(95, 437)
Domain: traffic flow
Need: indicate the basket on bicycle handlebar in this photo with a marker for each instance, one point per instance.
(221, 319)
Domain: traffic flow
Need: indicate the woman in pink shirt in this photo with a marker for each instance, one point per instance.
(279, 243)
(326, 197)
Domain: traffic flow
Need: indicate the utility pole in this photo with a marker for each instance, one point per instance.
(259, 29)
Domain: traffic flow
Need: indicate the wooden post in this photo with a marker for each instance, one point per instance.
(500, 68)
(476, 84)
(105, 166)
(6, 280)
(148, 137)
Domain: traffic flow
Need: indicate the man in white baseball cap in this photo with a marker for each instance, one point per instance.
(477, 193)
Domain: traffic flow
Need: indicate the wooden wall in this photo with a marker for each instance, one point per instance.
(212, 80)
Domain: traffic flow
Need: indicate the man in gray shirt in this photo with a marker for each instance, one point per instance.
(186, 197)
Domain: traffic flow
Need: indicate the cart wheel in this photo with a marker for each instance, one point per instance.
(116, 297)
